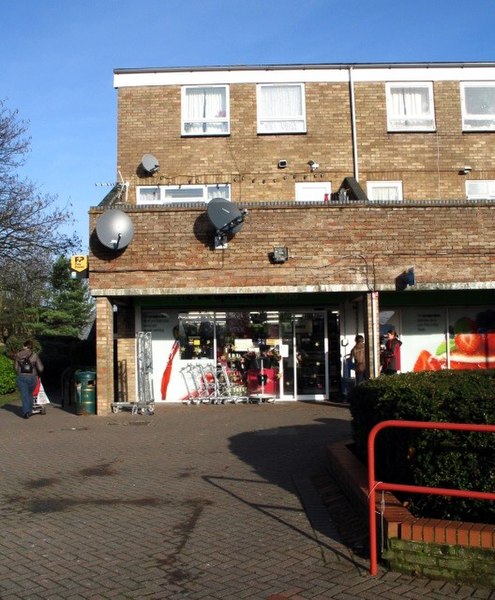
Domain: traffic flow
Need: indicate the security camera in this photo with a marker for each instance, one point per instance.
(313, 165)
(467, 169)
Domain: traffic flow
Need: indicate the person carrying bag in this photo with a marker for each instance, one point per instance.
(28, 367)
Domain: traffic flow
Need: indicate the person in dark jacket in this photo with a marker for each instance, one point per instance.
(28, 367)
(391, 354)
(358, 356)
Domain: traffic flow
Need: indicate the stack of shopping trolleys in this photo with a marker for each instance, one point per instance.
(210, 384)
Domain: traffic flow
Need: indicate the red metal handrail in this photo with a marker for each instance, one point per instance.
(374, 486)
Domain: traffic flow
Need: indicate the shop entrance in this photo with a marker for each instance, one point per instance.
(287, 355)
(305, 358)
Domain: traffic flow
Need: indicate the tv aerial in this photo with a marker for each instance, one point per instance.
(114, 229)
(227, 219)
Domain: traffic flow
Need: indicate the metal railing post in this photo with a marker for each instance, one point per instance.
(374, 485)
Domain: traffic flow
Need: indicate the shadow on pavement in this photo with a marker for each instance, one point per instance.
(294, 458)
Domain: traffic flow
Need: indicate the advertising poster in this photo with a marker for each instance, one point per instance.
(423, 339)
(472, 338)
(454, 338)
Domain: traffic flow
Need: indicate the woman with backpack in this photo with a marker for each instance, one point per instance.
(28, 367)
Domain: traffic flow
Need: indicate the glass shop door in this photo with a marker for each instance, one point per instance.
(305, 353)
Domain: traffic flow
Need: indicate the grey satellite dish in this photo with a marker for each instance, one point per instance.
(150, 164)
(225, 216)
(114, 229)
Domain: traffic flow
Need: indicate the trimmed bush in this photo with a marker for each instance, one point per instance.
(7, 375)
(433, 458)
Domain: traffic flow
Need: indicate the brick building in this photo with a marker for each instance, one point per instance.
(362, 199)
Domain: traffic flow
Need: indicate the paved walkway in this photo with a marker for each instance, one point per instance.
(197, 502)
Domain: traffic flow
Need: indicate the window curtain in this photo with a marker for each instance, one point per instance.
(203, 104)
(410, 102)
(281, 108)
(384, 193)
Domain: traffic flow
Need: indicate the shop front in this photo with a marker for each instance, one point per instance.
(266, 354)
(303, 352)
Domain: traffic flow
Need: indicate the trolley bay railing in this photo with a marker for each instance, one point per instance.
(374, 485)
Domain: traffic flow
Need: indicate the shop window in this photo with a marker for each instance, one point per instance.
(196, 335)
(478, 106)
(410, 107)
(205, 110)
(281, 108)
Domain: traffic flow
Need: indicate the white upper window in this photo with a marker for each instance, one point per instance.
(384, 191)
(313, 191)
(410, 107)
(480, 189)
(168, 194)
(478, 106)
(281, 108)
(205, 110)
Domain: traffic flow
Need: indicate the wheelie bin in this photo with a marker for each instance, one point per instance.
(85, 388)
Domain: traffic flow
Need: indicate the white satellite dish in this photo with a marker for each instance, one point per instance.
(150, 164)
(114, 229)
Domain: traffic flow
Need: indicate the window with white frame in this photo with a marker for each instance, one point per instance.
(170, 194)
(480, 189)
(205, 110)
(281, 108)
(478, 106)
(313, 191)
(410, 107)
(384, 191)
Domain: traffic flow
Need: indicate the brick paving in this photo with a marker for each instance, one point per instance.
(197, 502)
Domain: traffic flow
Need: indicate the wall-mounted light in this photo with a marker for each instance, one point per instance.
(465, 170)
(279, 255)
(313, 165)
(282, 164)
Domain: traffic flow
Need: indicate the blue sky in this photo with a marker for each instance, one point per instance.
(57, 59)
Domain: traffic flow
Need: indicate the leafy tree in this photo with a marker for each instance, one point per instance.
(30, 225)
(66, 308)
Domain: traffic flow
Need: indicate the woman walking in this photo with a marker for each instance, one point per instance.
(28, 367)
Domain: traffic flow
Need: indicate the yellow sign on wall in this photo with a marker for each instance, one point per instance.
(79, 265)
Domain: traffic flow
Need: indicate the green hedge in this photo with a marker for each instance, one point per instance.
(7, 375)
(459, 460)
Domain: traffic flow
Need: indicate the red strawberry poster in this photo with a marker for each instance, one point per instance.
(472, 340)
(448, 339)
(423, 339)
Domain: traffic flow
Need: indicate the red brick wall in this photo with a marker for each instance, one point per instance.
(171, 250)
(104, 356)
(427, 163)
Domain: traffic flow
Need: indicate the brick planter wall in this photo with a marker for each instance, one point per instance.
(463, 552)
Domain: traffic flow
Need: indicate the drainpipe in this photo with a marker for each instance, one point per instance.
(375, 342)
(353, 126)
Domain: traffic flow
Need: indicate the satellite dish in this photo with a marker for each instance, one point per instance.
(225, 216)
(150, 164)
(114, 229)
